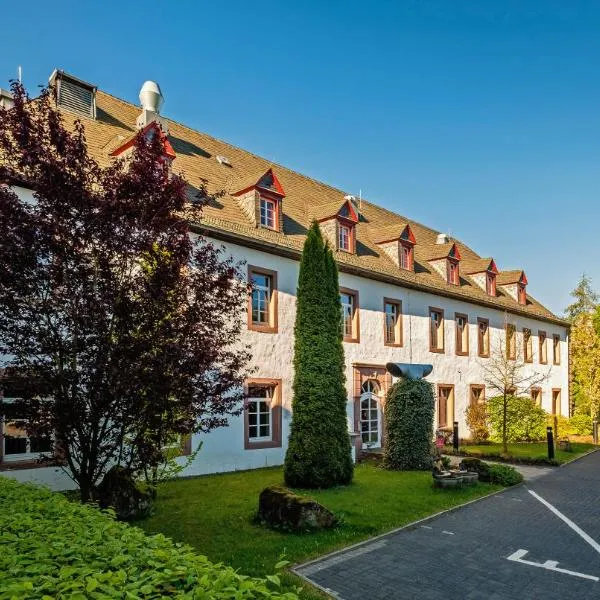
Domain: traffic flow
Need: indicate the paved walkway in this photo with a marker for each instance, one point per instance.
(537, 540)
(529, 472)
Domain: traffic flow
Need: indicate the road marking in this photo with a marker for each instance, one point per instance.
(593, 543)
(517, 499)
(426, 527)
(550, 565)
(448, 532)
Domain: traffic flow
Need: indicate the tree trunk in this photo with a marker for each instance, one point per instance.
(504, 414)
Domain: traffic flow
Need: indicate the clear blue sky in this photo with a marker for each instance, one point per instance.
(481, 118)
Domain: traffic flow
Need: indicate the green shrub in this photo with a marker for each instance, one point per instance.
(477, 422)
(580, 424)
(525, 422)
(409, 412)
(504, 475)
(54, 548)
(492, 473)
(319, 453)
(476, 465)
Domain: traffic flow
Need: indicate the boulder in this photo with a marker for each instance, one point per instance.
(280, 508)
(119, 491)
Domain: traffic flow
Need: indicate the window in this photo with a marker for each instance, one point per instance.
(453, 278)
(445, 405)
(483, 337)
(436, 330)
(268, 213)
(462, 334)
(527, 345)
(556, 393)
(344, 237)
(543, 348)
(370, 414)
(511, 341)
(262, 414)
(392, 314)
(556, 349)
(350, 322)
(477, 394)
(262, 301)
(536, 396)
(406, 256)
(522, 294)
(15, 443)
(490, 284)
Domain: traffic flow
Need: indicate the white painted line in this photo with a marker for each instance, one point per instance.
(517, 499)
(448, 532)
(593, 543)
(549, 565)
(426, 527)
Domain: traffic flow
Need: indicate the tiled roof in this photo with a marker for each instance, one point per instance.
(508, 277)
(475, 265)
(305, 198)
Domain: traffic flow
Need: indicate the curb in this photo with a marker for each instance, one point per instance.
(394, 531)
(579, 457)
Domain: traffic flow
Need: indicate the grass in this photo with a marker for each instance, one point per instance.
(214, 513)
(535, 452)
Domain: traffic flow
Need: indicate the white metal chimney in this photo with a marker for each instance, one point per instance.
(151, 99)
(442, 238)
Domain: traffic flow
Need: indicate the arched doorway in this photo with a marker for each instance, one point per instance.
(370, 414)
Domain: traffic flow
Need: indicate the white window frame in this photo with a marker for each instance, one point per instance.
(344, 237)
(262, 293)
(268, 402)
(268, 210)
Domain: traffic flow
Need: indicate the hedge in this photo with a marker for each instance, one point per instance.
(54, 548)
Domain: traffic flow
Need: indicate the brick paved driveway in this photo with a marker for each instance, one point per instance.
(464, 554)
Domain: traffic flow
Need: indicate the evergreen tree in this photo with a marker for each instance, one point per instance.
(319, 453)
(586, 300)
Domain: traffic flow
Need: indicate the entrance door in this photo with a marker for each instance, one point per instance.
(370, 415)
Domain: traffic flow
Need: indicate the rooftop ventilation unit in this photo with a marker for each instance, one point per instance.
(442, 238)
(73, 94)
(223, 160)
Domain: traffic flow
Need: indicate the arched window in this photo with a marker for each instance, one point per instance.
(370, 414)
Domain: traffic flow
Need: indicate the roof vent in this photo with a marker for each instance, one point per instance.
(151, 99)
(73, 94)
(6, 99)
(223, 160)
(442, 238)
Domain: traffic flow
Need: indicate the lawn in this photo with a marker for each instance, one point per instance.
(215, 514)
(524, 452)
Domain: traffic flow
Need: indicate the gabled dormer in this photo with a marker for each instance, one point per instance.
(338, 224)
(261, 199)
(445, 257)
(398, 242)
(514, 283)
(483, 272)
(150, 130)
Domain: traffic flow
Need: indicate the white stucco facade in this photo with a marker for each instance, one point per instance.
(224, 449)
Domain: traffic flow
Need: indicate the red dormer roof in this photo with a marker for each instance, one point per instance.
(153, 126)
(268, 181)
(331, 210)
(395, 233)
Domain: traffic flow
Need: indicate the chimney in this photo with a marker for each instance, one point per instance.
(151, 99)
(6, 99)
(442, 238)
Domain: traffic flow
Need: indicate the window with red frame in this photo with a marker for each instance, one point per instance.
(345, 237)
(452, 272)
(490, 284)
(406, 256)
(522, 294)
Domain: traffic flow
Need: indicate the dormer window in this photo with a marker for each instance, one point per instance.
(522, 294)
(453, 276)
(406, 256)
(268, 213)
(398, 243)
(490, 284)
(344, 238)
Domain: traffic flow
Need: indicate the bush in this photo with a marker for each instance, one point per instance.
(319, 454)
(504, 475)
(409, 412)
(580, 424)
(561, 426)
(525, 421)
(492, 473)
(54, 548)
(477, 422)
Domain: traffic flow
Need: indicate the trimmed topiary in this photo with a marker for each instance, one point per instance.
(319, 453)
(409, 410)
